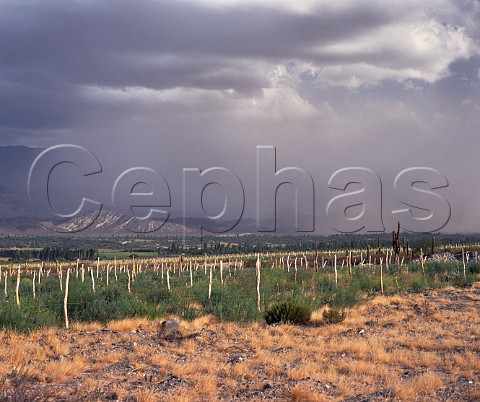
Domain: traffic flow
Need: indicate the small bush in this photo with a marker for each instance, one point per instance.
(346, 296)
(291, 312)
(231, 305)
(30, 316)
(334, 315)
(417, 283)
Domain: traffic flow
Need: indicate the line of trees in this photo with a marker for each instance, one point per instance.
(49, 254)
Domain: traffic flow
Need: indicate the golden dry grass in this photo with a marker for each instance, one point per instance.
(62, 370)
(411, 347)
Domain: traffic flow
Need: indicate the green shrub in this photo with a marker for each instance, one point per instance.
(29, 317)
(112, 303)
(290, 311)
(460, 281)
(232, 305)
(417, 284)
(346, 296)
(334, 315)
(474, 267)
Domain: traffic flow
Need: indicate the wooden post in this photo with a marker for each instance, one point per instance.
(350, 262)
(381, 274)
(168, 279)
(5, 275)
(421, 261)
(258, 265)
(464, 265)
(65, 299)
(335, 268)
(60, 278)
(17, 298)
(221, 272)
(93, 280)
(210, 283)
(33, 283)
(128, 280)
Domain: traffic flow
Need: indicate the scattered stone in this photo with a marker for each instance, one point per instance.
(387, 395)
(173, 381)
(443, 257)
(236, 359)
(168, 328)
(111, 396)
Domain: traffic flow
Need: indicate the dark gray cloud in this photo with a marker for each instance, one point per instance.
(201, 83)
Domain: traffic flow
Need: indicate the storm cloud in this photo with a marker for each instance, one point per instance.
(172, 85)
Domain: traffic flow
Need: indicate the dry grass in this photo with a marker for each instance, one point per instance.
(302, 394)
(419, 386)
(128, 324)
(145, 395)
(62, 370)
(421, 347)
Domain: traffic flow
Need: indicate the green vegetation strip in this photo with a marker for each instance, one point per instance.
(235, 300)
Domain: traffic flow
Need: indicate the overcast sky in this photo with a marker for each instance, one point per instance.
(384, 85)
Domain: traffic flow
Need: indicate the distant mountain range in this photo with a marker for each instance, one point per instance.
(109, 223)
(19, 216)
(91, 223)
(116, 223)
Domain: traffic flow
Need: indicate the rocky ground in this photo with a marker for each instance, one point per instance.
(413, 347)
